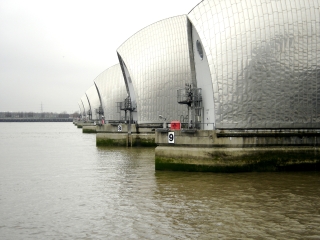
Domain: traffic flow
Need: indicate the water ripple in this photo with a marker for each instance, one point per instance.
(56, 184)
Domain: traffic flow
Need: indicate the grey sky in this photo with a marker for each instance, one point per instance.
(51, 51)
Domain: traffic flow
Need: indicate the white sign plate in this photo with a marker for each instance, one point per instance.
(170, 137)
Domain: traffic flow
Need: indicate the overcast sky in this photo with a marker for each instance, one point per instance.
(51, 51)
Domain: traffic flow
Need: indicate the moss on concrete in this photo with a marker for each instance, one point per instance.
(111, 142)
(261, 161)
(136, 142)
(143, 142)
(86, 130)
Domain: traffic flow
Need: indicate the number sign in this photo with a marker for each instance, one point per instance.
(119, 128)
(170, 137)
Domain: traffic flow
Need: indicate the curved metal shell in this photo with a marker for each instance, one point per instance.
(86, 106)
(157, 63)
(264, 60)
(111, 88)
(94, 102)
(82, 111)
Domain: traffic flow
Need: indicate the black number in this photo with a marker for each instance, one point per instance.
(170, 137)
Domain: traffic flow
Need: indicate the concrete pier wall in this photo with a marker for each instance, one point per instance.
(117, 135)
(89, 128)
(238, 150)
(81, 124)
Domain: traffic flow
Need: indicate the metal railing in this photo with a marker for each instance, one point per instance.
(198, 126)
(189, 96)
(99, 111)
(126, 105)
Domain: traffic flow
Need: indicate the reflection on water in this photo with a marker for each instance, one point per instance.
(56, 184)
(243, 205)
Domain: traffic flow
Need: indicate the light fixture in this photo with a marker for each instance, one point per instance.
(161, 117)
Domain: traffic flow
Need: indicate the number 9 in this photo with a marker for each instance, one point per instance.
(170, 137)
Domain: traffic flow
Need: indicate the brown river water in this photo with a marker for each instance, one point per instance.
(56, 184)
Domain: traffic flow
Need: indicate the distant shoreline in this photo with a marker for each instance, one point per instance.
(36, 119)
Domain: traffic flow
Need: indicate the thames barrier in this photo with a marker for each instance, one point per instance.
(231, 86)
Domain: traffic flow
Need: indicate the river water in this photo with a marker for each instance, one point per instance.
(56, 184)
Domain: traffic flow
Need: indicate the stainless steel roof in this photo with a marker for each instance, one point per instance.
(158, 63)
(264, 59)
(112, 89)
(94, 101)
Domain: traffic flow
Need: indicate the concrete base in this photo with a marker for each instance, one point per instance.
(230, 151)
(237, 159)
(89, 129)
(80, 124)
(109, 135)
(125, 140)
